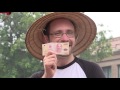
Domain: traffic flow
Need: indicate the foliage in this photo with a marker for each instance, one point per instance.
(99, 49)
(15, 61)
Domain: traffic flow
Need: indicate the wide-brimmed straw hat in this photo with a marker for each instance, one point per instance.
(85, 27)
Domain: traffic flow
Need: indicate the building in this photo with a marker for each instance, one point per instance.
(111, 65)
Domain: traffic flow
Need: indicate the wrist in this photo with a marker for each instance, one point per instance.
(46, 76)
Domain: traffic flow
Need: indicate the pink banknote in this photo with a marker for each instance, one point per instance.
(58, 48)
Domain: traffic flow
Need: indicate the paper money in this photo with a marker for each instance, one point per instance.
(58, 48)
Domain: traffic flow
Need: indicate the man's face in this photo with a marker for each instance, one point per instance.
(62, 26)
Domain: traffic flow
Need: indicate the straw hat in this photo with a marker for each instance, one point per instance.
(85, 27)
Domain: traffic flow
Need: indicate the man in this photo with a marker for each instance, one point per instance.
(73, 27)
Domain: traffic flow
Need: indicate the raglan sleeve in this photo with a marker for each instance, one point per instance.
(38, 74)
(97, 71)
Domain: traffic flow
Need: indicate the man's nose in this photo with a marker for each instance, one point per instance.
(64, 37)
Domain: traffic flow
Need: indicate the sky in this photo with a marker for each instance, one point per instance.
(110, 20)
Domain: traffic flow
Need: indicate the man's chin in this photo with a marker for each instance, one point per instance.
(63, 55)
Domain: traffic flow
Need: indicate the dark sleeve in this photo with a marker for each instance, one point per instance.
(91, 69)
(95, 71)
(38, 74)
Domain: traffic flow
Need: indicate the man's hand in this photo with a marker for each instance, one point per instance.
(50, 65)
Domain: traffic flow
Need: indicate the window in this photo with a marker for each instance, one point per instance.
(118, 71)
(107, 71)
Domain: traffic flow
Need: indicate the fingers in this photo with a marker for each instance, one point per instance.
(50, 59)
(49, 56)
(50, 53)
(50, 64)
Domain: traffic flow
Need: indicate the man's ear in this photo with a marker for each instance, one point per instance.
(46, 39)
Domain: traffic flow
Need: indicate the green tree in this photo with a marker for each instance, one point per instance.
(99, 49)
(15, 61)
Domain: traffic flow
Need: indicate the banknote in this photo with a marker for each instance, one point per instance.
(58, 48)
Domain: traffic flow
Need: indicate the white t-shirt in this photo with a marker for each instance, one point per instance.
(78, 68)
(72, 70)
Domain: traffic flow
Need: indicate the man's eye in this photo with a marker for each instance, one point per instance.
(70, 32)
(57, 33)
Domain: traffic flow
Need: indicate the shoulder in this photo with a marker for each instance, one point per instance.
(86, 63)
(92, 69)
(37, 74)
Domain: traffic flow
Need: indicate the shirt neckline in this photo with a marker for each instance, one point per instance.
(63, 67)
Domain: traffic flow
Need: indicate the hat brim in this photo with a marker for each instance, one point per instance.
(85, 27)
